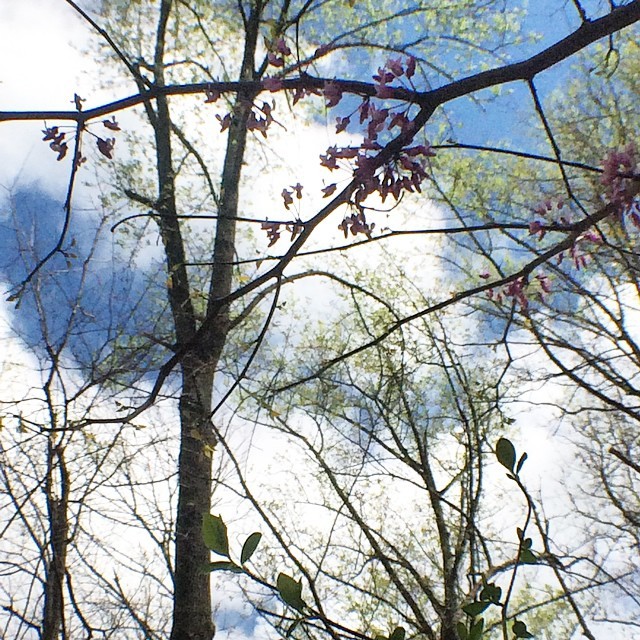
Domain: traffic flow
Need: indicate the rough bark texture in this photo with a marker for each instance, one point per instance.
(57, 505)
(192, 591)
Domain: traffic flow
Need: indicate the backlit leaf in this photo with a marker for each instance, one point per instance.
(290, 591)
(474, 609)
(506, 453)
(214, 533)
(250, 546)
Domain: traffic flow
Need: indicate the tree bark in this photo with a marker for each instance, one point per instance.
(57, 505)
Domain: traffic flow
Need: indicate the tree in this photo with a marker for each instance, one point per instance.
(278, 56)
(56, 479)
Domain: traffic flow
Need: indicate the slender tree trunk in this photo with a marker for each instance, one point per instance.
(192, 619)
(57, 505)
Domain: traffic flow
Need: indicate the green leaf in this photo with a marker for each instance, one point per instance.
(527, 557)
(250, 546)
(474, 609)
(290, 591)
(475, 633)
(214, 532)
(506, 453)
(491, 593)
(462, 631)
(398, 634)
(224, 565)
(522, 460)
(520, 630)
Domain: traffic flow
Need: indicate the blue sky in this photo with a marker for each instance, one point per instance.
(27, 166)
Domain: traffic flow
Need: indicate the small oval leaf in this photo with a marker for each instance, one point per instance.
(250, 545)
(474, 609)
(214, 533)
(462, 631)
(506, 453)
(290, 591)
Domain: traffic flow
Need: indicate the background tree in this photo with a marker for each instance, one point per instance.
(58, 480)
(582, 319)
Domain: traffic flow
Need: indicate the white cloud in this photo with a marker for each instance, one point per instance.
(38, 41)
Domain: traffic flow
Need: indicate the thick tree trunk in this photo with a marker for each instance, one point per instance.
(192, 592)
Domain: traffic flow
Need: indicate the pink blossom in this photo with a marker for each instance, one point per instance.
(536, 227)
(383, 76)
(258, 124)
(364, 110)
(395, 66)
(516, 290)
(619, 167)
(399, 120)
(112, 124)
(356, 223)
(274, 60)
(286, 196)
(333, 93)
(295, 229)
(411, 67)
(60, 149)
(51, 133)
(282, 48)
(299, 93)
(342, 123)
(343, 152)
(329, 190)
(592, 236)
(580, 260)
(273, 231)
(328, 161)
(106, 147)
(225, 122)
(545, 283)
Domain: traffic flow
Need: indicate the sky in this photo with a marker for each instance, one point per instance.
(27, 29)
